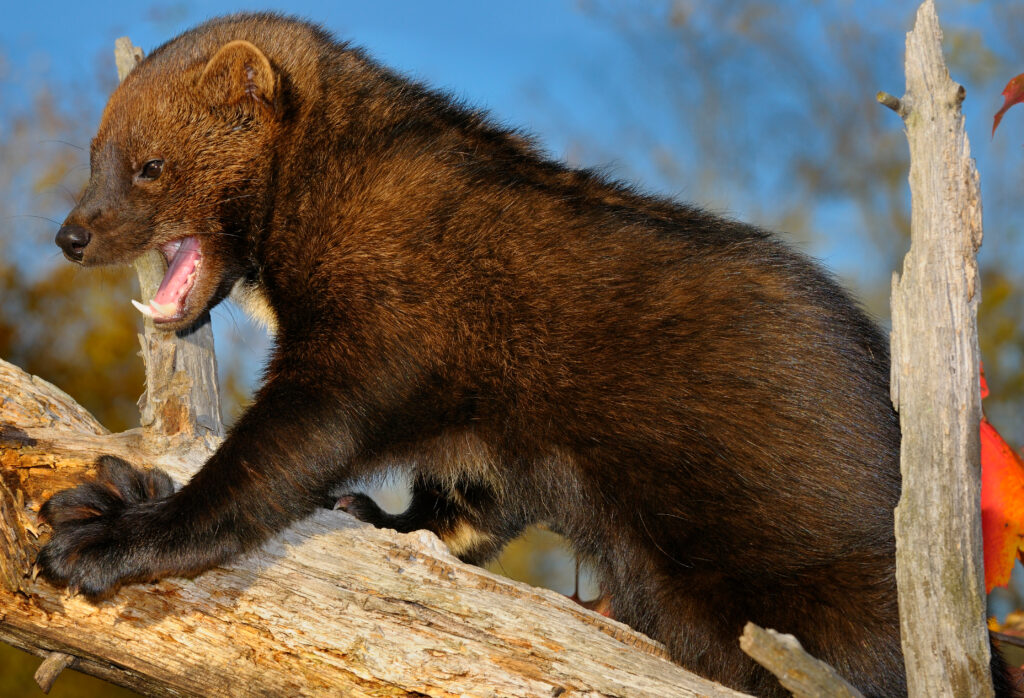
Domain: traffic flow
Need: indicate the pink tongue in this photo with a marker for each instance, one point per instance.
(173, 287)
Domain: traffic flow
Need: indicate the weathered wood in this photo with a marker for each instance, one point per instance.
(800, 673)
(935, 387)
(182, 397)
(330, 606)
(50, 668)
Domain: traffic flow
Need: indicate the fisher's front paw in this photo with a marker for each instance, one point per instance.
(100, 528)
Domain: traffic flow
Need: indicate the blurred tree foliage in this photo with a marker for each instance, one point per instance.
(772, 115)
(74, 327)
(775, 117)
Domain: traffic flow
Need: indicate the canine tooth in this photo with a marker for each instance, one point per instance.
(144, 309)
(165, 309)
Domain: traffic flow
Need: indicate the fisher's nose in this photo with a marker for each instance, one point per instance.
(72, 239)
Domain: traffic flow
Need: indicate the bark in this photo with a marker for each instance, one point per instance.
(330, 606)
(800, 673)
(935, 387)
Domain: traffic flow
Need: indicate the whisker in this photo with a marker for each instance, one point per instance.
(68, 193)
(57, 140)
(29, 215)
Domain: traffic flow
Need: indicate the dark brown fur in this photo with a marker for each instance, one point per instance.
(700, 410)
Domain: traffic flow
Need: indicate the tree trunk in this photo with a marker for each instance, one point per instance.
(935, 387)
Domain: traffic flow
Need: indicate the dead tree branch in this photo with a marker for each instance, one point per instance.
(935, 387)
(800, 673)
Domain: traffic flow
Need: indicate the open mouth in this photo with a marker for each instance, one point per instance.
(184, 257)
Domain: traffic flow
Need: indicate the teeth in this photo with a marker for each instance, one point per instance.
(155, 310)
(144, 309)
(165, 309)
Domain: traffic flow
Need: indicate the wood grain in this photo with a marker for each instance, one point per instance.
(935, 387)
(800, 673)
(332, 606)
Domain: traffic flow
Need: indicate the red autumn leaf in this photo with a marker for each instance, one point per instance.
(1013, 94)
(1002, 506)
(1002, 503)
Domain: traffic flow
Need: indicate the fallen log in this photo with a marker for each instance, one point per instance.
(330, 606)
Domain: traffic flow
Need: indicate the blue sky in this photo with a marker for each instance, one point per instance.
(495, 55)
(573, 79)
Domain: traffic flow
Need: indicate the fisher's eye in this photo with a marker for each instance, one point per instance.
(151, 170)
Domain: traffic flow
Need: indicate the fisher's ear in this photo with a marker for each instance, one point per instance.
(239, 73)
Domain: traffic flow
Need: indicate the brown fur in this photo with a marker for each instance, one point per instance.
(699, 409)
